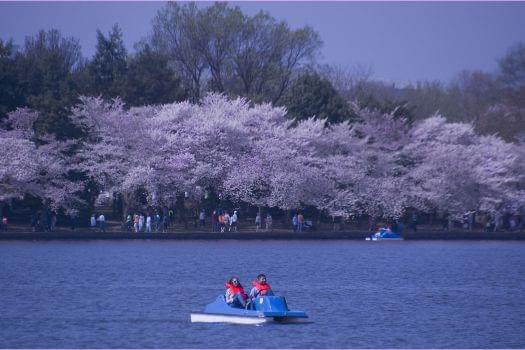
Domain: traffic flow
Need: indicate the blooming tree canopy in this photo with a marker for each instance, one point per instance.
(35, 166)
(454, 170)
(255, 154)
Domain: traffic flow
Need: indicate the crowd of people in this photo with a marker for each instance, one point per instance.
(298, 222)
(222, 221)
(99, 222)
(268, 222)
(148, 223)
(43, 220)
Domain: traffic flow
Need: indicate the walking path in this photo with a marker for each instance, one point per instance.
(85, 234)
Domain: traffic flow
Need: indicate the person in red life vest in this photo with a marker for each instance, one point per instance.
(235, 295)
(260, 287)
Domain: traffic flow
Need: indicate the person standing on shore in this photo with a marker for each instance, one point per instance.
(295, 223)
(257, 222)
(157, 222)
(269, 222)
(214, 221)
(300, 222)
(148, 223)
(226, 222)
(93, 222)
(165, 223)
(136, 222)
(102, 222)
(221, 221)
(202, 216)
(141, 222)
(128, 226)
(171, 215)
(234, 220)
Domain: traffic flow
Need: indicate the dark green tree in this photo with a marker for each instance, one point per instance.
(10, 96)
(512, 67)
(312, 96)
(45, 70)
(149, 80)
(108, 68)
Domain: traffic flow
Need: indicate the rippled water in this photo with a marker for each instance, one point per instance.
(105, 294)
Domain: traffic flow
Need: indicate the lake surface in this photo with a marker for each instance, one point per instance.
(129, 294)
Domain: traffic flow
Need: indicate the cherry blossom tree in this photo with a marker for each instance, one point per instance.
(36, 166)
(382, 188)
(255, 154)
(116, 150)
(454, 170)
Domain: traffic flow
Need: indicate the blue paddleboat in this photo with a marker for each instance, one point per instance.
(384, 235)
(260, 310)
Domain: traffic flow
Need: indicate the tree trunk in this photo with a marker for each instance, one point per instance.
(318, 219)
(126, 202)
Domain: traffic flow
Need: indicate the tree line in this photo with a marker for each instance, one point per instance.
(191, 52)
(254, 154)
(494, 102)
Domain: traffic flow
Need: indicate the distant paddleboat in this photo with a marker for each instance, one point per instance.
(260, 310)
(385, 235)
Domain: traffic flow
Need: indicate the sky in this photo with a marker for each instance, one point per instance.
(399, 41)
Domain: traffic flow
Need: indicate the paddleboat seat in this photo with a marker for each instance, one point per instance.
(234, 305)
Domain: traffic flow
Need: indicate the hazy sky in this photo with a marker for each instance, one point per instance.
(402, 42)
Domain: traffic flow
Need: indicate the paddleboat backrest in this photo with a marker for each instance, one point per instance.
(270, 303)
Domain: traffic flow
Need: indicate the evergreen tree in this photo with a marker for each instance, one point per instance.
(10, 97)
(108, 68)
(149, 80)
(312, 96)
(44, 71)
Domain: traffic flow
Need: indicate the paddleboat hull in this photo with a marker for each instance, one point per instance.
(218, 318)
(260, 310)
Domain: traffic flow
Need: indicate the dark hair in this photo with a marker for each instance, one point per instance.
(230, 281)
(261, 275)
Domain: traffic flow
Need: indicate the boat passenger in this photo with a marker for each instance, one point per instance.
(235, 294)
(260, 287)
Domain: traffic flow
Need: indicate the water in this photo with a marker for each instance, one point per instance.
(129, 294)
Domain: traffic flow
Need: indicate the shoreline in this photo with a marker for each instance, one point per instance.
(275, 235)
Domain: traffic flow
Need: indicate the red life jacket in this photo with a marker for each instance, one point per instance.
(235, 290)
(262, 288)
